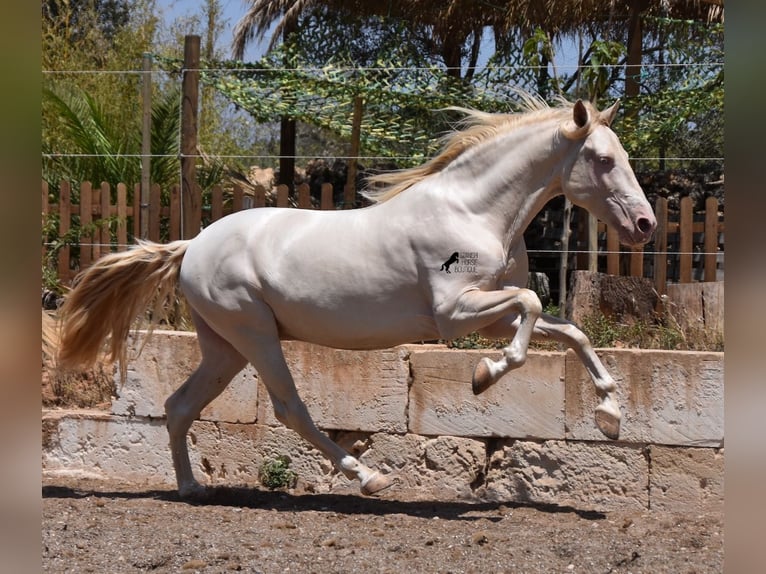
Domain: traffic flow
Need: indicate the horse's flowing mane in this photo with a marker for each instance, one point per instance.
(475, 127)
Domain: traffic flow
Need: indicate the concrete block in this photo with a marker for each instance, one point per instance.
(347, 390)
(440, 468)
(232, 454)
(527, 402)
(92, 443)
(164, 363)
(667, 397)
(686, 479)
(587, 476)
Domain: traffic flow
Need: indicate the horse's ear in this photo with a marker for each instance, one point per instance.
(580, 114)
(608, 114)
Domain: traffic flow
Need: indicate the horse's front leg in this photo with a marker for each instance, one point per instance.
(548, 327)
(476, 309)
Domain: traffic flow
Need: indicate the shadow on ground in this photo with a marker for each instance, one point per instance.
(246, 497)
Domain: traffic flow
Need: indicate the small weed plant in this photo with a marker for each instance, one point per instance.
(276, 473)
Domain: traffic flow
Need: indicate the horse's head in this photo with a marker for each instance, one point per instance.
(599, 178)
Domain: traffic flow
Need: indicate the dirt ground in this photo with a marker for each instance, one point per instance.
(95, 526)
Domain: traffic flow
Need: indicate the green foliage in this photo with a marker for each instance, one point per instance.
(599, 76)
(276, 473)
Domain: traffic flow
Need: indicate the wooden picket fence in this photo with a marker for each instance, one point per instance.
(105, 220)
(673, 243)
(112, 221)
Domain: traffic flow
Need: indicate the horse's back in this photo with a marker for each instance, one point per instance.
(332, 278)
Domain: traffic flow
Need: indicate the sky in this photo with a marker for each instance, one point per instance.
(234, 10)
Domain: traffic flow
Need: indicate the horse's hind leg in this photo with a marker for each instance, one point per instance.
(220, 362)
(260, 343)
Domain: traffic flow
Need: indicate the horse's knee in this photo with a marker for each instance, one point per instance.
(530, 303)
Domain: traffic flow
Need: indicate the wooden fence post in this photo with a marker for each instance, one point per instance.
(155, 212)
(237, 199)
(327, 201)
(349, 195)
(122, 217)
(106, 236)
(283, 195)
(686, 232)
(146, 142)
(259, 196)
(661, 246)
(136, 211)
(44, 217)
(175, 213)
(711, 238)
(304, 196)
(191, 196)
(637, 262)
(613, 252)
(86, 237)
(65, 199)
(216, 203)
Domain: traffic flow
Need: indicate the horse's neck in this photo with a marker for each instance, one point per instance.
(511, 178)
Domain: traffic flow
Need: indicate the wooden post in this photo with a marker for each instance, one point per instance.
(287, 127)
(349, 195)
(191, 196)
(685, 231)
(564, 265)
(237, 198)
(175, 213)
(136, 210)
(259, 196)
(283, 195)
(711, 238)
(106, 202)
(592, 243)
(613, 252)
(86, 237)
(122, 216)
(65, 215)
(327, 197)
(304, 196)
(146, 142)
(661, 246)
(637, 262)
(216, 203)
(44, 219)
(155, 212)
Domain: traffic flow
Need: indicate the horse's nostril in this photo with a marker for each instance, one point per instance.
(644, 225)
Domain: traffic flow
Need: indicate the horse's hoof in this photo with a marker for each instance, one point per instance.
(608, 422)
(482, 377)
(375, 483)
(194, 492)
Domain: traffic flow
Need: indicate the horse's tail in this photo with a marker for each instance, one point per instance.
(109, 295)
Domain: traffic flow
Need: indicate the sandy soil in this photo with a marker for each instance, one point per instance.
(94, 526)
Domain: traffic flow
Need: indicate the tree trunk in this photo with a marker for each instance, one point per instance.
(287, 131)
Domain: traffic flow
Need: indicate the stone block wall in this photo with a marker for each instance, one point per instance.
(410, 411)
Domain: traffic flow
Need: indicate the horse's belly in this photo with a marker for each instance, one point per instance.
(352, 326)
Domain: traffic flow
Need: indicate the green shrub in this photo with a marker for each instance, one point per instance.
(276, 473)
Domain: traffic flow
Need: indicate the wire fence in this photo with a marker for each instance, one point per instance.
(697, 249)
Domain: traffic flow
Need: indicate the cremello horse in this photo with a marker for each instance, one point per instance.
(375, 277)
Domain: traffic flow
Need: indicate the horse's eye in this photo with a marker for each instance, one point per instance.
(604, 160)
